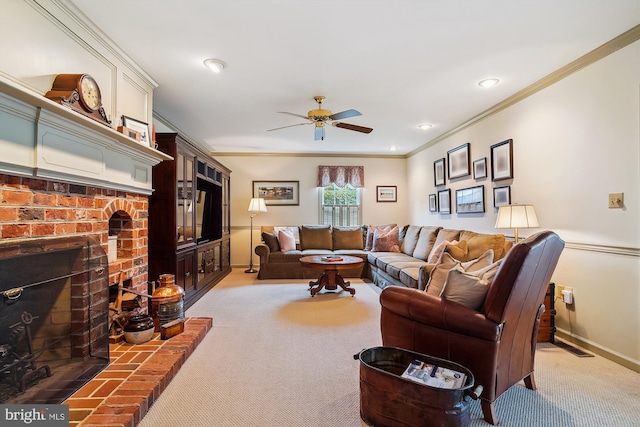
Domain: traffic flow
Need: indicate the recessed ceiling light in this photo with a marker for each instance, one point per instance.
(215, 65)
(488, 82)
(393, 148)
(424, 126)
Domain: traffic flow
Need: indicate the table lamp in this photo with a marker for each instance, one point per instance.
(517, 216)
(256, 206)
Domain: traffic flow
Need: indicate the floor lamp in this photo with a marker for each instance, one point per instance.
(256, 206)
(517, 216)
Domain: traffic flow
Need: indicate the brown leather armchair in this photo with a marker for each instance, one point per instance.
(498, 342)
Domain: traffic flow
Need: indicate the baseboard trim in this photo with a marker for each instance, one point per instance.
(614, 356)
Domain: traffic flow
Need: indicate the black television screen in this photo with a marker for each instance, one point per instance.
(208, 211)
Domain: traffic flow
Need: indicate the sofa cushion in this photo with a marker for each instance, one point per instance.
(271, 240)
(294, 230)
(425, 242)
(458, 250)
(385, 241)
(446, 263)
(411, 234)
(370, 232)
(437, 251)
(409, 277)
(445, 234)
(478, 243)
(347, 238)
(286, 240)
(382, 259)
(394, 268)
(315, 237)
(469, 288)
(310, 252)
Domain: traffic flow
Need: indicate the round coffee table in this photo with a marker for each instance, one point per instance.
(330, 278)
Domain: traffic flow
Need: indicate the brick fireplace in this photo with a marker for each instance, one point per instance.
(56, 280)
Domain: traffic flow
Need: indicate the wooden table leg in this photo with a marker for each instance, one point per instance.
(330, 280)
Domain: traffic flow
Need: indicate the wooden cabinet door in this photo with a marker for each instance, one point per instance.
(185, 271)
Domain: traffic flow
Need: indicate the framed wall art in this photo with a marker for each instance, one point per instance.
(279, 193)
(501, 196)
(470, 200)
(502, 160)
(433, 203)
(141, 127)
(386, 193)
(480, 168)
(458, 161)
(438, 172)
(444, 201)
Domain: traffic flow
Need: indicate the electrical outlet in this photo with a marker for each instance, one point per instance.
(616, 200)
(559, 289)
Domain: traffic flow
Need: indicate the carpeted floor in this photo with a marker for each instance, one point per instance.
(277, 357)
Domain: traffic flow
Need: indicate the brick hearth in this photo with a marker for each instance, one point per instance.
(122, 394)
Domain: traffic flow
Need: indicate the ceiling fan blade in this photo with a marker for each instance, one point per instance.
(352, 127)
(293, 114)
(345, 114)
(319, 134)
(290, 126)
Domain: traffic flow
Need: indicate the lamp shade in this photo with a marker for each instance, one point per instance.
(517, 216)
(257, 205)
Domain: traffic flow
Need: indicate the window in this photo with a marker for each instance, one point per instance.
(340, 206)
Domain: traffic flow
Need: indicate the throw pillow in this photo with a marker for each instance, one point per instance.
(370, 232)
(347, 238)
(439, 274)
(315, 237)
(271, 240)
(426, 241)
(483, 261)
(294, 230)
(458, 250)
(469, 288)
(437, 251)
(446, 263)
(286, 240)
(386, 241)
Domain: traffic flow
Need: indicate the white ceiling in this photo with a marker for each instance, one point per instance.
(399, 62)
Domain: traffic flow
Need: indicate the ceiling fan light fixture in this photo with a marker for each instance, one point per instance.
(425, 126)
(488, 83)
(215, 65)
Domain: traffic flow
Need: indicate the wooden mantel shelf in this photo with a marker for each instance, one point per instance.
(44, 139)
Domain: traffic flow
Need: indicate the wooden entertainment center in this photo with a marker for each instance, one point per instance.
(189, 218)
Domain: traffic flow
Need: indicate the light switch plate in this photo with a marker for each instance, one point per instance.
(616, 200)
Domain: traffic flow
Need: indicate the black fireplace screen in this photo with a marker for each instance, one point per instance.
(54, 310)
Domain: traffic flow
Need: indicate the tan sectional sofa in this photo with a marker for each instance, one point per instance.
(409, 267)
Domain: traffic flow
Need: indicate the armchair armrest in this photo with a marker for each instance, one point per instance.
(439, 313)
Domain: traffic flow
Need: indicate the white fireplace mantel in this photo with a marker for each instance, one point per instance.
(40, 138)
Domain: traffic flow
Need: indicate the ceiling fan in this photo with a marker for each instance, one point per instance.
(320, 117)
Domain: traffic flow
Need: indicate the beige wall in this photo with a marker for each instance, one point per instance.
(37, 44)
(574, 142)
(245, 169)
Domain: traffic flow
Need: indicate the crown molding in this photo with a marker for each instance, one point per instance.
(595, 55)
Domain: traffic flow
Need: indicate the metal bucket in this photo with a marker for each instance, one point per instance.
(387, 399)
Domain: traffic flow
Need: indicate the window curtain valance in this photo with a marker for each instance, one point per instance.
(341, 175)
